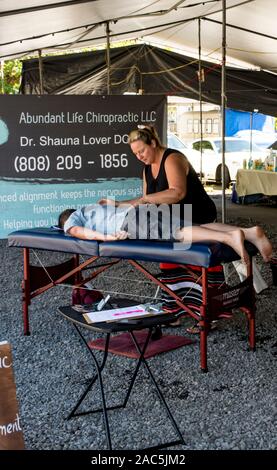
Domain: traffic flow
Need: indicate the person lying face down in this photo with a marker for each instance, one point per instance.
(109, 223)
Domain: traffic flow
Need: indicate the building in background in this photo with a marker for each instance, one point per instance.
(184, 118)
(184, 121)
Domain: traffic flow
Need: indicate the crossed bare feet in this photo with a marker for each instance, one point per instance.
(257, 236)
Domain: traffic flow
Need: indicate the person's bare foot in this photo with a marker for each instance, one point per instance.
(236, 241)
(257, 236)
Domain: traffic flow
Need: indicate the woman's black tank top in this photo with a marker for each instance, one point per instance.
(203, 208)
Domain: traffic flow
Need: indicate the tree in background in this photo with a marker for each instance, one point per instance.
(10, 77)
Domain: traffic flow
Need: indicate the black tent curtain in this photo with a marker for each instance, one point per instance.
(150, 70)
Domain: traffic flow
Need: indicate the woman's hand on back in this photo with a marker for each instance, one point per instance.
(107, 202)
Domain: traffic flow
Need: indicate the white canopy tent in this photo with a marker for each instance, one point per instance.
(48, 25)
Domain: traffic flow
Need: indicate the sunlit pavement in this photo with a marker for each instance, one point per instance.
(255, 213)
(215, 189)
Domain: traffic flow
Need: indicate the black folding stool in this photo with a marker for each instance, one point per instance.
(107, 328)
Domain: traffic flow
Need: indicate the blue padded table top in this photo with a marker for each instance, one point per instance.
(199, 254)
(51, 239)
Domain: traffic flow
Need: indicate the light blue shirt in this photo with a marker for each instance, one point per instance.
(106, 219)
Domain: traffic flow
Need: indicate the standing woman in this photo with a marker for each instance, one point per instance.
(168, 177)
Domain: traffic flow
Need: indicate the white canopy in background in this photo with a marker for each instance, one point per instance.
(29, 25)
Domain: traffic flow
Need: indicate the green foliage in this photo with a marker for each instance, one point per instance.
(10, 77)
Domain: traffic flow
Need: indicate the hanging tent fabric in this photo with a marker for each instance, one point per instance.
(153, 71)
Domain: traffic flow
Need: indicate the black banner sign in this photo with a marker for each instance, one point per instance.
(73, 138)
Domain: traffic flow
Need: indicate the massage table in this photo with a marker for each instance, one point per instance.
(38, 279)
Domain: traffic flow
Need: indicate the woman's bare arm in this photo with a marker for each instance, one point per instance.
(176, 168)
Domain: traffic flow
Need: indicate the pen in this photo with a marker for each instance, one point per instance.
(154, 309)
(103, 302)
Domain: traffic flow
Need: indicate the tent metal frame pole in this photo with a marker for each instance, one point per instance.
(2, 77)
(223, 107)
(239, 28)
(40, 68)
(251, 133)
(200, 94)
(49, 6)
(108, 58)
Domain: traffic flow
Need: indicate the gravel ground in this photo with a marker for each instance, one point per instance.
(233, 406)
